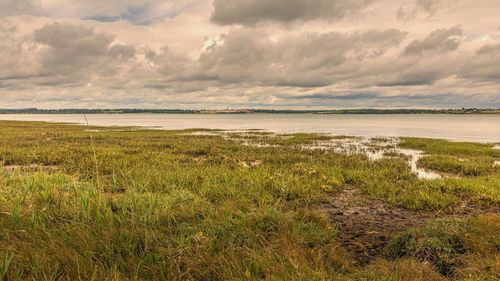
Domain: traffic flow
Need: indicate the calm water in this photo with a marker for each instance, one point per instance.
(477, 128)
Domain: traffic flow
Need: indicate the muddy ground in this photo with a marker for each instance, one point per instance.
(366, 225)
(30, 168)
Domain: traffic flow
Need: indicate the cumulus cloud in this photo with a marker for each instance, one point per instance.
(70, 48)
(438, 42)
(485, 65)
(75, 55)
(249, 12)
(16, 53)
(305, 60)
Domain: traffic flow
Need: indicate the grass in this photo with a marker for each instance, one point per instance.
(457, 149)
(460, 248)
(177, 206)
(470, 166)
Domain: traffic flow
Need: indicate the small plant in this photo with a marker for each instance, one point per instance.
(6, 261)
(94, 153)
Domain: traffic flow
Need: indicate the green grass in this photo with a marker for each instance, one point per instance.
(457, 149)
(191, 207)
(471, 166)
(449, 244)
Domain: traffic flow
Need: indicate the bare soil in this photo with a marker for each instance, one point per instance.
(30, 167)
(366, 225)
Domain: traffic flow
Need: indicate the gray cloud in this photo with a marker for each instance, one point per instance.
(18, 7)
(433, 6)
(183, 60)
(429, 7)
(491, 49)
(70, 49)
(485, 65)
(168, 62)
(307, 60)
(336, 96)
(16, 54)
(249, 12)
(438, 42)
(411, 77)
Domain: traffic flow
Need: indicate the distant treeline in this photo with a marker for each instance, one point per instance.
(93, 111)
(250, 111)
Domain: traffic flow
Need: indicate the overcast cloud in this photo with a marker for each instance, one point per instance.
(249, 53)
(283, 11)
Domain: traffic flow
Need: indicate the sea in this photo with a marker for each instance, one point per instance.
(470, 128)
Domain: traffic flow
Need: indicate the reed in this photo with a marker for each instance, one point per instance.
(93, 151)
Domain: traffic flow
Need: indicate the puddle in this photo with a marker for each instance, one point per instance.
(374, 148)
(243, 137)
(414, 156)
(111, 130)
(204, 133)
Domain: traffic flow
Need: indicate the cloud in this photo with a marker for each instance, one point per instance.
(18, 7)
(250, 12)
(411, 77)
(137, 12)
(140, 14)
(305, 60)
(429, 7)
(167, 53)
(433, 6)
(70, 48)
(170, 63)
(491, 49)
(75, 55)
(485, 65)
(336, 96)
(16, 53)
(438, 42)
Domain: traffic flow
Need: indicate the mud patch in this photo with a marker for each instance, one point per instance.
(366, 225)
(30, 168)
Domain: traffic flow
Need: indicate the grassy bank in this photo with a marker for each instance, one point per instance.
(195, 205)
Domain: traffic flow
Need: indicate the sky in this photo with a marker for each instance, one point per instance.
(281, 54)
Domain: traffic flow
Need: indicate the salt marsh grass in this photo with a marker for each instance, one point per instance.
(182, 206)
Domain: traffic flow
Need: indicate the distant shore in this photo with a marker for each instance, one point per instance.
(250, 111)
